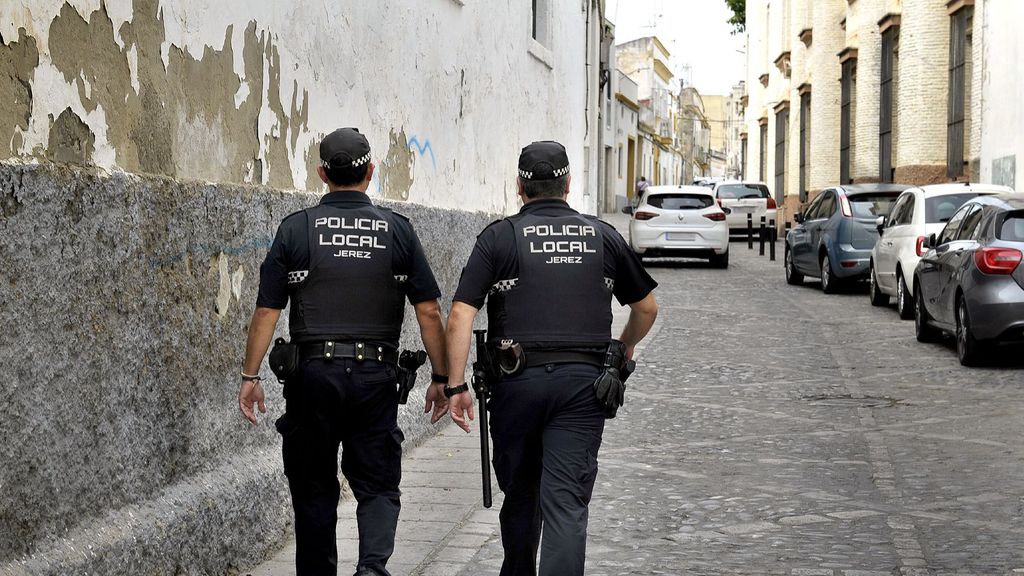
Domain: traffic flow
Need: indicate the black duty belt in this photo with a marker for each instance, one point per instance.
(359, 351)
(544, 357)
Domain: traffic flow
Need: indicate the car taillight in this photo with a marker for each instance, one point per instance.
(771, 203)
(920, 245)
(845, 203)
(997, 260)
(716, 216)
(644, 215)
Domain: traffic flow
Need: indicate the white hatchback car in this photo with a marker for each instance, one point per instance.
(917, 213)
(745, 198)
(680, 221)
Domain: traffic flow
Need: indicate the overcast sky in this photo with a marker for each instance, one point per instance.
(694, 31)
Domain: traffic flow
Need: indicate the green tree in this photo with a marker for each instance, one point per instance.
(739, 15)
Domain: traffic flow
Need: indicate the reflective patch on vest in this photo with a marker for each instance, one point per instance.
(297, 276)
(609, 283)
(353, 237)
(504, 286)
(560, 243)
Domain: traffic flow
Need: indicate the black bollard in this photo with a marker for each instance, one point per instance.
(750, 231)
(771, 247)
(761, 237)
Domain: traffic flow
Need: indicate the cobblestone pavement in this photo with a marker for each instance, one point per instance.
(771, 429)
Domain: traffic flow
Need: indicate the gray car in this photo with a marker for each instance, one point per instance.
(970, 283)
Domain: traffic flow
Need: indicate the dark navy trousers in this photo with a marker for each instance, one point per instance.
(354, 405)
(546, 424)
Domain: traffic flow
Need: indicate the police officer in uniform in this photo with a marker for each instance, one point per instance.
(548, 275)
(347, 268)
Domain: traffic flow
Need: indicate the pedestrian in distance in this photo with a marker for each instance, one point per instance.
(641, 188)
(347, 267)
(547, 276)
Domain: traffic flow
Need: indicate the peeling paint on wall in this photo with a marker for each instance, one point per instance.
(192, 116)
(70, 140)
(17, 67)
(396, 168)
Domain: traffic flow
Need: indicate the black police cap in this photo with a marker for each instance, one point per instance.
(344, 148)
(544, 160)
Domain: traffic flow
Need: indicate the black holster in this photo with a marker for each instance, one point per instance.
(284, 359)
(610, 386)
(408, 363)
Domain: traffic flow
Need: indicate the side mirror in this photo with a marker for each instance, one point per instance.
(880, 224)
(726, 210)
(798, 218)
(627, 210)
(931, 241)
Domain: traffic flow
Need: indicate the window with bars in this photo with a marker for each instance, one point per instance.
(805, 142)
(887, 103)
(781, 128)
(960, 24)
(764, 153)
(849, 85)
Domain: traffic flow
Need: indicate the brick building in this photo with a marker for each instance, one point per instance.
(856, 91)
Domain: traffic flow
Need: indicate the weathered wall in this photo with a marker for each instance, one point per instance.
(235, 91)
(125, 304)
(1002, 91)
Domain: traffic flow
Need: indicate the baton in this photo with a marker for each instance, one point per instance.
(481, 385)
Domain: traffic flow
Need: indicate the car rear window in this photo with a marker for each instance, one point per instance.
(680, 201)
(941, 208)
(872, 205)
(1012, 228)
(741, 191)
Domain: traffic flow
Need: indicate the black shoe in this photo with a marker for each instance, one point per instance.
(366, 572)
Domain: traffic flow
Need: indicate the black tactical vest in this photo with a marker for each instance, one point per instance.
(561, 298)
(350, 292)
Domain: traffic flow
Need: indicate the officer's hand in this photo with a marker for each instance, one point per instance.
(251, 392)
(630, 350)
(459, 406)
(436, 401)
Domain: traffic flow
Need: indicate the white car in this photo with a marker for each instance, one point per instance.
(680, 221)
(744, 198)
(917, 213)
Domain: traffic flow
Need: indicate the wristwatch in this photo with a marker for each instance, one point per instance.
(455, 391)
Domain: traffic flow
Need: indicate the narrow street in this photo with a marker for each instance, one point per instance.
(769, 429)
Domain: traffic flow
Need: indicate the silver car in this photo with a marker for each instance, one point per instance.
(970, 283)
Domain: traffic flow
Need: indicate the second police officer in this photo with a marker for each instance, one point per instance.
(347, 267)
(547, 275)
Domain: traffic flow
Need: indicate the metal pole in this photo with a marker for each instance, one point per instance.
(750, 231)
(761, 238)
(771, 247)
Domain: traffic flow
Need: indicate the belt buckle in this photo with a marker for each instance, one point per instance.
(329, 350)
(360, 351)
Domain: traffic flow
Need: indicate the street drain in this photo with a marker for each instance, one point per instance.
(849, 401)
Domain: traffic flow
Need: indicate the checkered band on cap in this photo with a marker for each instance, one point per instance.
(525, 175)
(361, 160)
(561, 172)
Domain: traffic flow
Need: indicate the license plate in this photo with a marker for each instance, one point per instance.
(743, 209)
(681, 236)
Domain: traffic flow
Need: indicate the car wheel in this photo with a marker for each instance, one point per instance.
(793, 276)
(967, 347)
(878, 298)
(924, 331)
(829, 284)
(904, 302)
(720, 260)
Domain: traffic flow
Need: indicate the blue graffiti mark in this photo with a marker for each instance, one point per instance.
(423, 149)
(208, 249)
